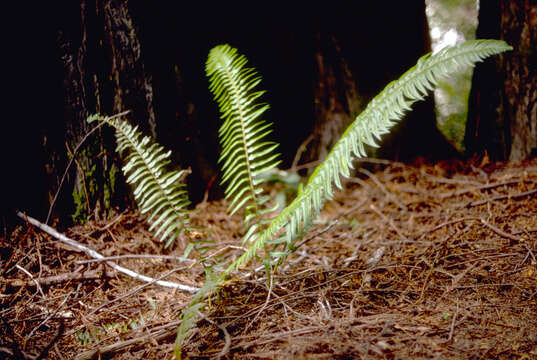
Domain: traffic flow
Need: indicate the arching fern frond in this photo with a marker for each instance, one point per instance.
(157, 191)
(378, 117)
(245, 153)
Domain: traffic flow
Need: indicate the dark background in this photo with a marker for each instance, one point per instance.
(377, 42)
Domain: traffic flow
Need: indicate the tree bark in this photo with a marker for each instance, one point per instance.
(102, 73)
(335, 98)
(503, 102)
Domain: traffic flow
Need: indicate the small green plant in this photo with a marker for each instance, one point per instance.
(156, 190)
(245, 157)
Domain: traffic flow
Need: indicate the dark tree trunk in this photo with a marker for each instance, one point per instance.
(503, 102)
(102, 73)
(356, 57)
(335, 99)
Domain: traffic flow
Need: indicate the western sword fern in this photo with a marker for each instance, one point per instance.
(245, 154)
(157, 190)
(378, 117)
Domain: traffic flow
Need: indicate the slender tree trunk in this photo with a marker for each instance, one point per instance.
(503, 102)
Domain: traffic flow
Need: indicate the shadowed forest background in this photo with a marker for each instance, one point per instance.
(320, 67)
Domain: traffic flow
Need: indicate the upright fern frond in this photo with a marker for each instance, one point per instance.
(245, 153)
(379, 116)
(157, 191)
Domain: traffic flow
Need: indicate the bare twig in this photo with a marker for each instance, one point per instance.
(49, 280)
(110, 223)
(300, 151)
(447, 223)
(133, 291)
(164, 332)
(267, 300)
(95, 254)
(383, 188)
(328, 227)
(374, 260)
(305, 166)
(227, 345)
(390, 221)
(137, 256)
(31, 277)
(82, 177)
(481, 187)
(451, 181)
(500, 232)
(52, 313)
(452, 327)
(501, 197)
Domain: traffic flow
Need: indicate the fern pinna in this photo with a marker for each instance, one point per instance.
(245, 154)
(378, 117)
(157, 191)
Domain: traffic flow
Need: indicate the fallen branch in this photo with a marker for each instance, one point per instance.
(31, 277)
(57, 279)
(133, 291)
(500, 232)
(137, 256)
(96, 255)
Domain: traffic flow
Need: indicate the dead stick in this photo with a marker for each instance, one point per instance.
(227, 345)
(390, 221)
(95, 254)
(437, 227)
(133, 291)
(452, 327)
(499, 232)
(482, 187)
(49, 280)
(299, 152)
(137, 256)
(501, 197)
(383, 188)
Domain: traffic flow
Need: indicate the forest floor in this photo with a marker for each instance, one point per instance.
(408, 262)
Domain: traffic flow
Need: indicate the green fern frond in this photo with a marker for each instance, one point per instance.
(157, 191)
(379, 116)
(245, 154)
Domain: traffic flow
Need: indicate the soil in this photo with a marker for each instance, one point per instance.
(422, 261)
